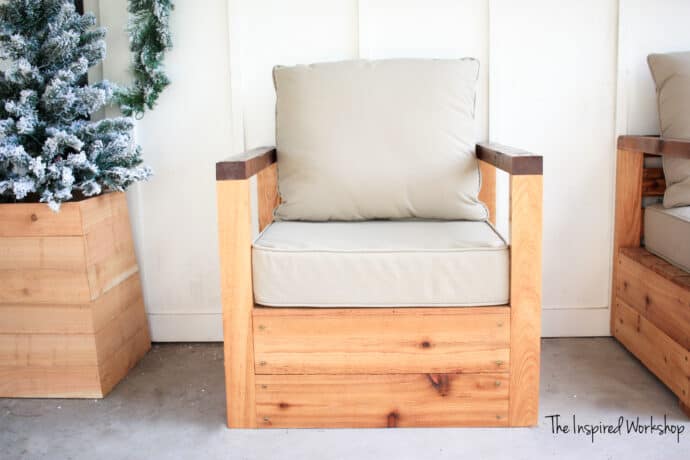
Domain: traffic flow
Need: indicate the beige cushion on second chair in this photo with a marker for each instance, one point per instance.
(671, 73)
(667, 234)
(380, 264)
(392, 139)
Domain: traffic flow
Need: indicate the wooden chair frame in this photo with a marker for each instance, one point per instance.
(650, 304)
(311, 367)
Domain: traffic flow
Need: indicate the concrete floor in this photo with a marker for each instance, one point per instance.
(172, 407)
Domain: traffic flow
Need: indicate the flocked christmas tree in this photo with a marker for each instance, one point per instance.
(50, 149)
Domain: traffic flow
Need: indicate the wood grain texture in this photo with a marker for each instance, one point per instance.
(525, 297)
(509, 159)
(113, 370)
(44, 286)
(234, 233)
(487, 194)
(658, 352)
(87, 318)
(37, 252)
(245, 165)
(269, 198)
(36, 219)
(653, 182)
(378, 401)
(655, 145)
(628, 210)
(49, 382)
(657, 290)
(381, 340)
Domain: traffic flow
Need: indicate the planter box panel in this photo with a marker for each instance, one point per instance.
(50, 382)
(36, 219)
(379, 401)
(31, 253)
(48, 286)
(113, 303)
(46, 350)
(120, 330)
(69, 303)
(46, 319)
(116, 368)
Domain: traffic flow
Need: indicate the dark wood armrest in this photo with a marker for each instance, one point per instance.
(511, 160)
(655, 145)
(245, 165)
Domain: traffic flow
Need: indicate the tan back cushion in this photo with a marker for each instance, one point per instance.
(391, 139)
(671, 74)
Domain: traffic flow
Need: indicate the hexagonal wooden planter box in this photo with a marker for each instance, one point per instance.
(72, 318)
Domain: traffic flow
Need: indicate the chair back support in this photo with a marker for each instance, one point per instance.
(390, 139)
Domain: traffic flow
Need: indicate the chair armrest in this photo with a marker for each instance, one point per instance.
(511, 160)
(245, 165)
(655, 145)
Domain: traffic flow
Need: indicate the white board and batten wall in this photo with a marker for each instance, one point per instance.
(558, 78)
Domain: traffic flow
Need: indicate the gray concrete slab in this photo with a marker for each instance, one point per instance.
(172, 407)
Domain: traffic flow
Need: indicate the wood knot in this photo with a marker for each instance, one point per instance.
(440, 382)
(426, 344)
(34, 217)
(647, 300)
(283, 405)
(393, 419)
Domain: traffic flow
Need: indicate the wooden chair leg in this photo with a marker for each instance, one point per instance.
(628, 212)
(525, 297)
(234, 232)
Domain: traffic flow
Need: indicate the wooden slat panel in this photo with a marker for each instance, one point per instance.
(659, 353)
(487, 194)
(393, 400)
(46, 319)
(29, 253)
(43, 350)
(103, 207)
(50, 382)
(659, 298)
(525, 297)
(381, 340)
(234, 244)
(111, 257)
(653, 182)
(37, 219)
(70, 319)
(107, 237)
(44, 286)
(111, 338)
(126, 357)
(628, 218)
(111, 304)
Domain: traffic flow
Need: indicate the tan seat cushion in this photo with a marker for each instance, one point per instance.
(667, 234)
(391, 139)
(380, 264)
(671, 74)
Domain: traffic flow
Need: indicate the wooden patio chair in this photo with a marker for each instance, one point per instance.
(308, 343)
(650, 308)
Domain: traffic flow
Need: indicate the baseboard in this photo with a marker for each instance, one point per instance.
(208, 327)
(189, 327)
(575, 322)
